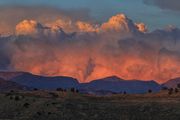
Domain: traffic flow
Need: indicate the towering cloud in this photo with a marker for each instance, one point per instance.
(87, 51)
(10, 16)
(30, 27)
(118, 23)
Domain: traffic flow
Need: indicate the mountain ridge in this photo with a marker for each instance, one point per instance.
(172, 83)
(10, 85)
(121, 85)
(111, 83)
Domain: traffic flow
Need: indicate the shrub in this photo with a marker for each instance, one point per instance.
(17, 98)
(176, 90)
(11, 97)
(72, 89)
(178, 85)
(49, 113)
(164, 88)
(39, 113)
(35, 89)
(26, 105)
(149, 91)
(114, 93)
(59, 89)
(12, 91)
(170, 91)
(53, 103)
(77, 91)
(64, 90)
(54, 94)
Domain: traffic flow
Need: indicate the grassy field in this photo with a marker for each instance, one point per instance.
(45, 105)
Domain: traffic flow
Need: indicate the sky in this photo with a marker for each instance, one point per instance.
(91, 39)
(138, 10)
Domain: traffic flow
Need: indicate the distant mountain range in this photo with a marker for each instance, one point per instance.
(118, 85)
(172, 83)
(108, 85)
(9, 85)
(6, 75)
(42, 82)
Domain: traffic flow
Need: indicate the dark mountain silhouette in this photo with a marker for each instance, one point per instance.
(9, 85)
(42, 82)
(172, 83)
(119, 85)
(108, 85)
(7, 75)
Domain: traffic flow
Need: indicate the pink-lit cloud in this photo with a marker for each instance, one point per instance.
(87, 50)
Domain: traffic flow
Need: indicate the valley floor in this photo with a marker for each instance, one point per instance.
(45, 105)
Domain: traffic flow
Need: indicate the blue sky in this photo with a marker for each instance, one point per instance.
(101, 10)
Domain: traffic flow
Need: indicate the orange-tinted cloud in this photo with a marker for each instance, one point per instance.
(28, 27)
(10, 16)
(88, 51)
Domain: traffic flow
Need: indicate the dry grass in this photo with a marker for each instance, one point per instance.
(46, 105)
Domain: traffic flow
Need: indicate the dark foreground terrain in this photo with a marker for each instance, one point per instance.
(45, 105)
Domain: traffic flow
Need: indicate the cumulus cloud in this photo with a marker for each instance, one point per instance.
(10, 16)
(88, 51)
(30, 27)
(165, 4)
